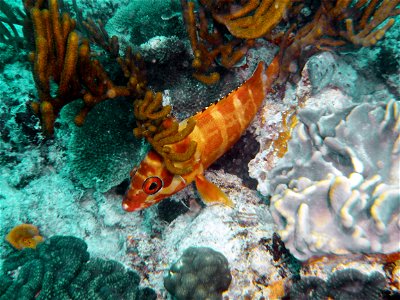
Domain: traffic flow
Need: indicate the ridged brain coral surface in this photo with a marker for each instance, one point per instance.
(201, 273)
(345, 284)
(60, 269)
(336, 191)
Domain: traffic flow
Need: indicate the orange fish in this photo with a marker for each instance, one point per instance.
(217, 128)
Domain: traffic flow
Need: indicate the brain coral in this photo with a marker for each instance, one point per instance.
(350, 284)
(61, 268)
(201, 273)
(345, 284)
(309, 287)
(336, 190)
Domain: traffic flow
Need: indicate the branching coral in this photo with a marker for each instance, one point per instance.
(207, 47)
(336, 23)
(254, 19)
(61, 56)
(161, 131)
(8, 31)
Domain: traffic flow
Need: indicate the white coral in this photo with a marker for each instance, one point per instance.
(340, 193)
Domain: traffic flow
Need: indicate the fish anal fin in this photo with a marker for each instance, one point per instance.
(210, 193)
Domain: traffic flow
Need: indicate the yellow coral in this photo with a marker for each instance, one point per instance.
(162, 131)
(24, 236)
(255, 19)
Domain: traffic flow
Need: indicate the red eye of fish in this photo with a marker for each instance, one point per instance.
(152, 185)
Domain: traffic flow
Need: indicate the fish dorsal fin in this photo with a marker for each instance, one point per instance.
(210, 193)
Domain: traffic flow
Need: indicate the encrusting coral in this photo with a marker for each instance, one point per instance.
(61, 56)
(336, 190)
(24, 236)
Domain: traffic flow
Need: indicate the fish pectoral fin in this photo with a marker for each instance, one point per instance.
(210, 193)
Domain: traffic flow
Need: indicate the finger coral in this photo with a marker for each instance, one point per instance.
(24, 236)
(63, 57)
(337, 23)
(161, 131)
(255, 18)
(209, 41)
(336, 190)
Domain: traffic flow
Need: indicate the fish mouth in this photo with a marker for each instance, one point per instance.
(127, 205)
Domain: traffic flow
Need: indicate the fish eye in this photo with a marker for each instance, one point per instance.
(152, 185)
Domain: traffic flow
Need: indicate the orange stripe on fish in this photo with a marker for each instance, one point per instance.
(217, 128)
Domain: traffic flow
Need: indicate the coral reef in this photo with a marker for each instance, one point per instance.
(342, 284)
(208, 44)
(140, 21)
(60, 268)
(254, 19)
(332, 116)
(336, 191)
(201, 273)
(162, 131)
(103, 151)
(351, 284)
(335, 24)
(240, 234)
(310, 287)
(62, 57)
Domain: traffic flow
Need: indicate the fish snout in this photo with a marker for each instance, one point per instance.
(133, 201)
(129, 205)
